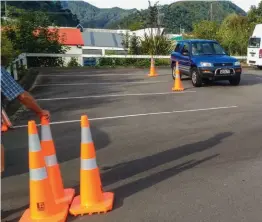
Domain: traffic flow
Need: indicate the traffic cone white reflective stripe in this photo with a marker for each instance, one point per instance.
(38, 174)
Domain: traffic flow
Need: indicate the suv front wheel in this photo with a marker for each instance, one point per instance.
(196, 78)
(235, 80)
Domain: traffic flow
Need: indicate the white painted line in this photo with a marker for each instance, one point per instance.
(99, 83)
(88, 75)
(137, 115)
(114, 95)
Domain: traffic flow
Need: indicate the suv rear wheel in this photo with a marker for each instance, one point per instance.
(196, 78)
(173, 72)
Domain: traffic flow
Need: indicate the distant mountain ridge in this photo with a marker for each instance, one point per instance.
(178, 14)
(94, 17)
(183, 13)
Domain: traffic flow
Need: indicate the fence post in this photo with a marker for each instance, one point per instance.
(25, 62)
(15, 71)
(8, 69)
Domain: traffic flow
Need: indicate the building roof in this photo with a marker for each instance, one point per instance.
(68, 36)
(102, 38)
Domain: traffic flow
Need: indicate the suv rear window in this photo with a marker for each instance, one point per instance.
(254, 42)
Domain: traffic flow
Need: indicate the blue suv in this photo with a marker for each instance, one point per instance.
(205, 61)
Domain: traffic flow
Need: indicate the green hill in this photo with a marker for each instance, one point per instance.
(182, 14)
(179, 14)
(57, 14)
(93, 17)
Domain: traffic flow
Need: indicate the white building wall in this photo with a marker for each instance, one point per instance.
(148, 31)
(73, 50)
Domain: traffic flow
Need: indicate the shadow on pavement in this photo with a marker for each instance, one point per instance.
(67, 142)
(128, 169)
(129, 189)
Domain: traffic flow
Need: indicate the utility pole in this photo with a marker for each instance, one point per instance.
(211, 11)
(5, 10)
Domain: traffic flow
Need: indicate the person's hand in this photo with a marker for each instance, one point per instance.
(45, 114)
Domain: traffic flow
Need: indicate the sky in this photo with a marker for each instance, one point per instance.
(142, 4)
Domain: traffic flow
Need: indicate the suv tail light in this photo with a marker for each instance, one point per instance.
(260, 53)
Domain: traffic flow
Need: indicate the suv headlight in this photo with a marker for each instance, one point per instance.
(237, 63)
(206, 64)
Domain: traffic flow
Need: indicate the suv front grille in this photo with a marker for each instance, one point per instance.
(223, 64)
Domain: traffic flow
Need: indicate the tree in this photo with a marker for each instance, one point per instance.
(7, 52)
(255, 15)
(56, 13)
(234, 34)
(125, 40)
(134, 48)
(136, 26)
(29, 33)
(206, 30)
(156, 45)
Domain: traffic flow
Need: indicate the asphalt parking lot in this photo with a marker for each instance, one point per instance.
(189, 156)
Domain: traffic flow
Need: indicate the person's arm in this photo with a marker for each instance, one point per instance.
(27, 100)
(12, 90)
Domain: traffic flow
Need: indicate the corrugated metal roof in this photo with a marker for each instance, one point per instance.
(102, 39)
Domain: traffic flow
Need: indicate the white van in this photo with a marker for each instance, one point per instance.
(254, 51)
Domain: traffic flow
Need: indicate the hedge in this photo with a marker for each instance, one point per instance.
(131, 62)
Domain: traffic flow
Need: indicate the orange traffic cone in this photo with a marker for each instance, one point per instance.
(152, 69)
(42, 204)
(4, 127)
(6, 119)
(92, 199)
(53, 169)
(178, 86)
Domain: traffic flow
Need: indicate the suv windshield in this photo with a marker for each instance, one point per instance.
(254, 43)
(207, 48)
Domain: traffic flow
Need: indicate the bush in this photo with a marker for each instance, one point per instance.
(131, 62)
(73, 62)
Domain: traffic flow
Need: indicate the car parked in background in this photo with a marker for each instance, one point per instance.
(205, 61)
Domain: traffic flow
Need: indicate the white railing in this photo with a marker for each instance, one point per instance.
(96, 56)
(22, 58)
(107, 56)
